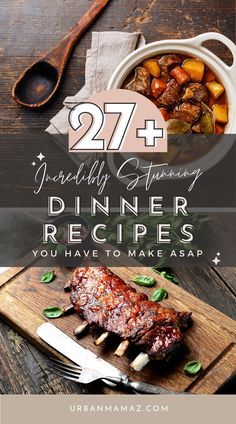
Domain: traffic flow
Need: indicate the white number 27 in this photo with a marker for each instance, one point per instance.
(90, 139)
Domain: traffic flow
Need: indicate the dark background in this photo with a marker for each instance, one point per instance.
(27, 29)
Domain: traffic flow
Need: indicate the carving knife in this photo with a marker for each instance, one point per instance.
(68, 347)
(72, 350)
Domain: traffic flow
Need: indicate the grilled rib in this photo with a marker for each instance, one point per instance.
(104, 299)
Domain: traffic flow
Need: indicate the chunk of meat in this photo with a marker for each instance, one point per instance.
(171, 96)
(186, 112)
(141, 82)
(167, 61)
(200, 93)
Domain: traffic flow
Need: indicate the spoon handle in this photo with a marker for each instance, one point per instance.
(59, 55)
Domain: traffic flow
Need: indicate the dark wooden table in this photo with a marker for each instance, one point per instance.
(27, 28)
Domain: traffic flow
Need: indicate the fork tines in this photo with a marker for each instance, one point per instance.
(71, 372)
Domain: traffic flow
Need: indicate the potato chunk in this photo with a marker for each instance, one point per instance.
(153, 67)
(220, 113)
(215, 88)
(195, 69)
(188, 94)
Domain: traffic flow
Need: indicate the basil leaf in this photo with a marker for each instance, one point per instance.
(166, 273)
(159, 294)
(144, 280)
(192, 367)
(53, 312)
(48, 277)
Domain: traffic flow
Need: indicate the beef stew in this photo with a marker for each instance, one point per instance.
(189, 95)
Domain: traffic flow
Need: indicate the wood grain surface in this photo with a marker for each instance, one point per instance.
(211, 337)
(27, 29)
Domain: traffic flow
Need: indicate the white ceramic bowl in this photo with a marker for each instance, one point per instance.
(192, 47)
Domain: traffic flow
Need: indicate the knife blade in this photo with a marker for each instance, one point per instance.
(72, 350)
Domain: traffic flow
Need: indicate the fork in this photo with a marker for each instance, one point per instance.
(87, 375)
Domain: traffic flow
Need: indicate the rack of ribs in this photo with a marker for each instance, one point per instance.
(104, 299)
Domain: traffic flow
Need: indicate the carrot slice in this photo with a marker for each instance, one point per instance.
(180, 75)
(157, 87)
(219, 129)
(164, 113)
(208, 76)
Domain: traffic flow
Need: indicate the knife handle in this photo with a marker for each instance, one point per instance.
(141, 387)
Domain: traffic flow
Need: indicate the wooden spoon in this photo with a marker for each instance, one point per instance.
(38, 83)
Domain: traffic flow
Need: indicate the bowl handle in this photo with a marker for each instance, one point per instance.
(199, 39)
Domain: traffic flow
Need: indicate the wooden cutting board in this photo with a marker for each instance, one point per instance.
(210, 340)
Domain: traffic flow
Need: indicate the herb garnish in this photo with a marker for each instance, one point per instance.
(192, 367)
(48, 277)
(53, 312)
(166, 273)
(144, 280)
(159, 294)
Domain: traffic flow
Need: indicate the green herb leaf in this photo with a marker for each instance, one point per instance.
(53, 312)
(166, 273)
(192, 367)
(48, 277)
(159, 294)
(144, 280)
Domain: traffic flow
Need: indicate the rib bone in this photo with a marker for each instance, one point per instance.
(67, 286)
(78, 330)
(101, 338)
(122, 348)
(68, 309)
(140, 361)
